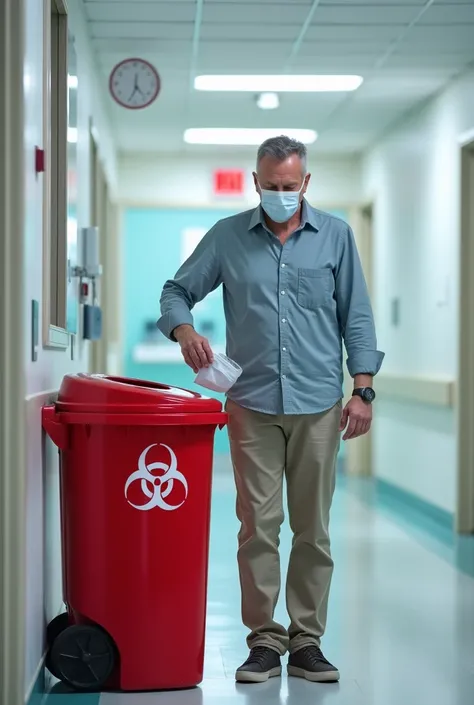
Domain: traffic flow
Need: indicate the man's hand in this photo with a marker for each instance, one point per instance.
(357, 416)
(196, 350)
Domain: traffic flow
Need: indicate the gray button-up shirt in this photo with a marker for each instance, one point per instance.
(287, 307)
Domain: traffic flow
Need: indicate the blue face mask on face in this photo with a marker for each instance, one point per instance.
(280, 206)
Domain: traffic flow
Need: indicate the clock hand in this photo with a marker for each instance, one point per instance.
(134, 91)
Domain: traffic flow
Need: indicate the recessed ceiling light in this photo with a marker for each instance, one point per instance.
(268, 101)
(277, 84)
(243, 135)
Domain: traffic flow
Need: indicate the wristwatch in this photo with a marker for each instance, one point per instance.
(367, 394)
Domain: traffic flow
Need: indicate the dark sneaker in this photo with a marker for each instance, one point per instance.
(311, 664)
(262, 664)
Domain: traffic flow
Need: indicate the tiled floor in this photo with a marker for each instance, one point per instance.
(401, 623)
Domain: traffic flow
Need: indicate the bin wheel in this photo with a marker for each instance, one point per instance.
(83, 657)
(56, 626)
(53, 630)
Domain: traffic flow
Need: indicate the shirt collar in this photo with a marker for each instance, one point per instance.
(308, 217)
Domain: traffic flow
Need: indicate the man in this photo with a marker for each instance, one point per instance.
(293, 290)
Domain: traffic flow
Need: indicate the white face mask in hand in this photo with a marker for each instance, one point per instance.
(220, 376)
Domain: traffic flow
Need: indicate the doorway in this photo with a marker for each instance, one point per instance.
(105, 352)
(465, 391)
(12, 355)
(98, 357)
(359, 451)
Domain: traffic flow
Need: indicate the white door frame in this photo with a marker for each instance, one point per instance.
(102, 215)
(465, 382)
(12, 354)
(359, 450)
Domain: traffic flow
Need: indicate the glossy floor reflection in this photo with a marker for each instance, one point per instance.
(401, 622)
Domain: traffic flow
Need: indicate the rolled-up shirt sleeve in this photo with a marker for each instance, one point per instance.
(195, 279)
(354, 310)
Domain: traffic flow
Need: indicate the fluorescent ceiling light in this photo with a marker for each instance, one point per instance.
(278, 84)
(71, 81)
(268, 101)
(72, 135)
(243, 135)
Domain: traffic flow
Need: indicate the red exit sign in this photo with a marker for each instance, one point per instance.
(229, 182)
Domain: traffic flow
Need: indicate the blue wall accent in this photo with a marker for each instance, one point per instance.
(152, 254)
(58, 694)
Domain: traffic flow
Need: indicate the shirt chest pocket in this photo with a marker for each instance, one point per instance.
(315, 287)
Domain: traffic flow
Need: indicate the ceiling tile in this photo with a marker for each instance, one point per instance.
(441, 37)
(256, 12)
(347, 32)
(234, 30)
(130, 47)
(362, 14)
(147, 11)
(132, 2)
(449, 14)
(381, 3)
(242, 108)
(306, 3)
(238, 64)
(141, 30)
(107, 60)
(342, 63)
(415, 62)
(393, 86)
(218, 49)
(337, 47)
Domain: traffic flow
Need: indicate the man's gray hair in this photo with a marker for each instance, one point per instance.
(281, 148)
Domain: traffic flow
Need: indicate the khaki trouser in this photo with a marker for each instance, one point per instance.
(264, 448)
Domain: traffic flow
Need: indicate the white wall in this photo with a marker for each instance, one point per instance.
(180, 181)
(43, 557)
(413, 176)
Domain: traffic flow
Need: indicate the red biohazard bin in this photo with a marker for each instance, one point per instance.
(135, 470)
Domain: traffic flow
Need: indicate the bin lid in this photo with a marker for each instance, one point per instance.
(121, 395)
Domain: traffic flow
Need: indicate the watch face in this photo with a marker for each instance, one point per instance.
(368, 394)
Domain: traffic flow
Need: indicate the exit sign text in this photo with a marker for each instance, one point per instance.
(229, 182)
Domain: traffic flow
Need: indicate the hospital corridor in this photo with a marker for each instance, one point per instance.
(401, 613)
(236, 345)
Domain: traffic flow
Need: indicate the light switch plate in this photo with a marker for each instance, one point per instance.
(396, 312)
(92, 322)
(34, 330)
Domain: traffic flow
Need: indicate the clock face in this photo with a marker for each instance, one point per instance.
(134, 84)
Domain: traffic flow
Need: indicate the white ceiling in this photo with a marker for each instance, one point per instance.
(406, 50)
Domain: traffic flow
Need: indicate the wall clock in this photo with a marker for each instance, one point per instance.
(134, 84)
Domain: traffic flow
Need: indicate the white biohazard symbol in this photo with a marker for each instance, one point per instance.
(162, 485)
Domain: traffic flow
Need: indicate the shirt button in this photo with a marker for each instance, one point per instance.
(283, 293)
(284, 349)
(283, 376)
(283, 266)
(283, 320)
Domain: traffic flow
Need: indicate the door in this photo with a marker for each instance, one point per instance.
(359, 450)
(465, 390)
(99, 196)
(12, 355)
